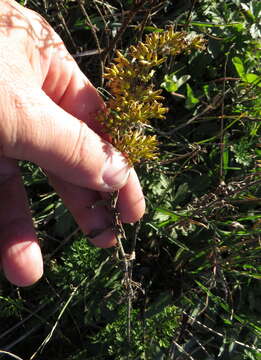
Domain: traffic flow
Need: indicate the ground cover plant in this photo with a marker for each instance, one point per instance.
(192, 290)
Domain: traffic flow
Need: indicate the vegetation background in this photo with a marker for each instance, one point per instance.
(195, 282)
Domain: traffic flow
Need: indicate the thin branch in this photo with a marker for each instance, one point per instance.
(10, 354)
(251, 347)
(122, 30)
(66, 29)
(49, 336)
(216, 102)
(222, 132)
(93, 31)
(200, 212)
(126, 258)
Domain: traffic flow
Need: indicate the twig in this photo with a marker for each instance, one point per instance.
(200, 211)
(49, 336)
(226, 78)
(10, 354)
(201, 345)
(61, 17)
(222, 145)
(143, 24)
(252, 347)
(122, 30)
(93, 30)
(126, 258)
(190, 13)
(102, 16)
(216, 102)
(183, 351)
(64, 242)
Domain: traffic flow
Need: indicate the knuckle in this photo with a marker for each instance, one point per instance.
(79, 147)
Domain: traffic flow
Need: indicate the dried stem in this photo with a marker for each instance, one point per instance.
(121, 31)
(126, 258)
(93, 30)
(10, 354)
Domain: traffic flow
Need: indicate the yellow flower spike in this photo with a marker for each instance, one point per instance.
(134, 100)
(121, 59)
(145, 62)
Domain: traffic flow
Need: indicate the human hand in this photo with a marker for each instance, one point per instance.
(47, 116)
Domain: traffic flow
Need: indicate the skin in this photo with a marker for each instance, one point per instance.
(47, 116)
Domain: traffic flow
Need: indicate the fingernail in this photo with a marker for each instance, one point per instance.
(116, 171)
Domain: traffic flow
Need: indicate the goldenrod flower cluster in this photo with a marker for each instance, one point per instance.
(134, 100)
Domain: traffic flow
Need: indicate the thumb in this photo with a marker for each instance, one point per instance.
(40, 131)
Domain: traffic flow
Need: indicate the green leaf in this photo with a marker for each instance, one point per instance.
(167, 212)
(208, 24)
(225, 157)
(247, 12)
(191, 99)
(182, 80)
(178, 243)
(253, 79)
(237, 62)
(153, 29)
(172, 83)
